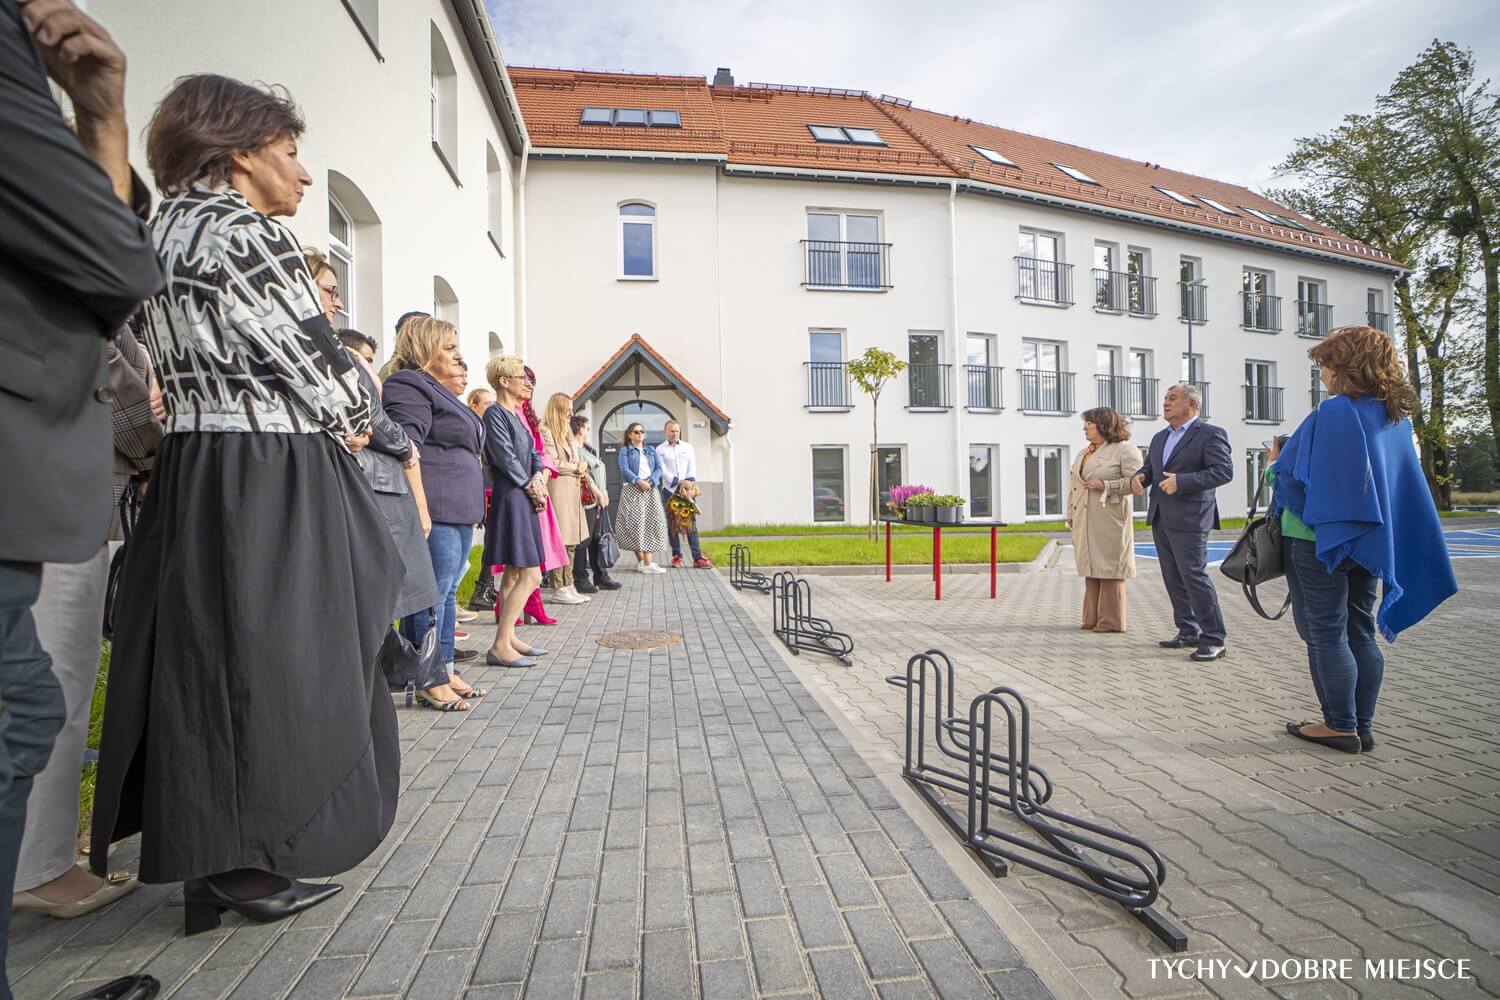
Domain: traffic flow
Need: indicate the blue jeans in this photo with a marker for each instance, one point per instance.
(692, 532)
(1335, 616)
(448, 544)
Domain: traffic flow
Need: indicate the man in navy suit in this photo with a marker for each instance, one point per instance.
(1186, 463)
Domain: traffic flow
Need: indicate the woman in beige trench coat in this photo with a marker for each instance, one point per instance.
(1100, 515)
(566, 492)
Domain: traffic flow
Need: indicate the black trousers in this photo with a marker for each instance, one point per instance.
(1184, 569)
(586, 566)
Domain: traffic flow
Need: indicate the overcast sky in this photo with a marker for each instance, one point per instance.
(1220, 89)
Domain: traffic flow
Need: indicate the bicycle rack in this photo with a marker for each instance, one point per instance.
(793, 622)
(741, 576)
(995, 782)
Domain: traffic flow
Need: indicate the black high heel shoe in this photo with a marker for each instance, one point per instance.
(203, 902)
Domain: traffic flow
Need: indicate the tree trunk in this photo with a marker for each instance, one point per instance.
(874, 463)
(1412, 341)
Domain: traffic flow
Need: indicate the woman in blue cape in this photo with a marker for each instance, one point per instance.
(1356, 512)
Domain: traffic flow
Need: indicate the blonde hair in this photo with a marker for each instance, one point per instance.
(555, 419)
(420, 340)
(503, 366)
(476, 394)
(317, 261)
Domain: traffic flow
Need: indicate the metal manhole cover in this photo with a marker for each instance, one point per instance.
(643, 638)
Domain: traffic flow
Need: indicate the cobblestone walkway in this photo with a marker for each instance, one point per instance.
(675, 824)
(1274, 852)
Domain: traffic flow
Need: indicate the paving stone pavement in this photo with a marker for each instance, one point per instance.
(680, 823)
(1274, 850)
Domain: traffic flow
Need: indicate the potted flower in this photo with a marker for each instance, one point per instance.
(948, 509)
(900, 495)
(919, 508)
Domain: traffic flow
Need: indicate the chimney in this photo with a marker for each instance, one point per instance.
(723, 78)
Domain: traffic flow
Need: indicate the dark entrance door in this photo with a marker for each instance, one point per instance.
(612, 435)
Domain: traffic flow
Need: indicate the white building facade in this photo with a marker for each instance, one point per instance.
(414, 142)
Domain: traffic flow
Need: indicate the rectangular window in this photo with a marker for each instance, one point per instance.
(844, 250)
(1262, 216)
(1194, 293)
(341, 259)
(630, 116)
(827, 133)
(1040, 274)
(1044, 480)
(1214, 204)
(829, 496)
(1255, 471)
(890, 471)
(981, 480)
(597, 116)
(1141, 298)
(981, 349)
(496, 191)
(825, 346)
(1142, 502)
(1312, 308)
(665, 118)
(1259, 305)
(1262, 396)
(1192, 368)
(925, 373)
(1076, 174)
(827, 378)
(1042, 378)
(981, 375)
(1181, 199)
(864, 136)
(637, 241)
(992, 156)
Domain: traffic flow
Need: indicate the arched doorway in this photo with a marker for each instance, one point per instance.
(612, 435)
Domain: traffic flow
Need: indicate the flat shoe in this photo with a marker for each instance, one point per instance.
(535, 652)
(520, 661)
(117, 885)
(1348, 744)
(202, 903)
(1366, 742)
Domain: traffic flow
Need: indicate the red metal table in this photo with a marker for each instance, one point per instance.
(937, 549)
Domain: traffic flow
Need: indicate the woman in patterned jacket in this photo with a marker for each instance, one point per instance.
(248, 734)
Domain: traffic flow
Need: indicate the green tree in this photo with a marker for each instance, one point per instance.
(1474, 461)
(871, 371)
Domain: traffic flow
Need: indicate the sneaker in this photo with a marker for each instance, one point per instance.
(466, 616)
(645, 568)
(677, 562)
(653, 568)
(702, 562)
(459, 633)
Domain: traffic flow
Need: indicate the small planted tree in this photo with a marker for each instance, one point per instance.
(871, 371)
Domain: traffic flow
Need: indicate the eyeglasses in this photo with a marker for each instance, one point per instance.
(331, 290)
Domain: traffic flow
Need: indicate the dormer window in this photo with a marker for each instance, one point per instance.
(1076, 174)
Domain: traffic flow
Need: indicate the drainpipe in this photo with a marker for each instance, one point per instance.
(959, 354)
(728, 440)
(521, 332)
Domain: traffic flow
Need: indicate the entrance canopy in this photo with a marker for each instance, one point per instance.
(637, 365)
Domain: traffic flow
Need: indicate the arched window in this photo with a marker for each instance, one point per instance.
(637, 241)
(444, 300)
(341, 257)
(354, 251)
(497, 347)
(497, 191)
(444, 99)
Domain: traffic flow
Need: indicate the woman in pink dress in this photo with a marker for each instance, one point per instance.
(553, 548)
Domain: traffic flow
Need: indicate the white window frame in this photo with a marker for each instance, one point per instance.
(843, 215)
(343, 252)
(993, 474)
(1255, 471)
(1257, 213)
(621, 221)
(1041, 496)
(992, 155)
(1144, 282)
(843, 451)
(900, 450)
(1211, 203)
(1176, 196)
(1076, 174)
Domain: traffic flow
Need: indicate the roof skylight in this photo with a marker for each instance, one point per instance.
(845, 134)
(1076, 174)
(992, 156)
(1262, 216)
(864, 136)
(597, 116)
(1214, 204)
(666, 119)
(1181, 199)
(657, 118)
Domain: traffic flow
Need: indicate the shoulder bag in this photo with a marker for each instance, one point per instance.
(1256, 556)
(130, 512)
(609, 549)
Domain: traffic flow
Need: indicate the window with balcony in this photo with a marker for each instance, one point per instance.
(1111, 285)
(1255, 471)
(843, 250)
(829, 495)
(827, 372)
(981, 374)
(1375, 314)
(1192, 373)
(1315, 386)
(1131, 392)
(981, 480)
(1041, 276)
(926, 375)
(1194, 293)
(1261, 309)
(1140, 286)
(637, 241)
(1314, 314)
(1045, 387)
(1045, 468)
(444, 101)
(1262, 394)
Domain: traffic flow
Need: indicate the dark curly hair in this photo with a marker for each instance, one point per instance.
(205, 120)
(1362, 361)
(1110, 424)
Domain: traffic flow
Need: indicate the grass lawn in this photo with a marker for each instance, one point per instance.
(906, 549)
(836, 530)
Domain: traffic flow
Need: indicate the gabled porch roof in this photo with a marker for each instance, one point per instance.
(636, 351)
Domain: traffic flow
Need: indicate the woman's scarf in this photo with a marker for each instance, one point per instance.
(1353, 477)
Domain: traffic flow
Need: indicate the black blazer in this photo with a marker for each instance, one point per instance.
(1202, 462)
(74, 264)
(383, 460)
(450, 438)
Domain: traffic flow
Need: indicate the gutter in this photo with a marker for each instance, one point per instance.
(631, 155)
(960, 381)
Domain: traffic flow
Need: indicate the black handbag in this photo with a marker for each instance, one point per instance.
(406, 666)
(609, 548)
(130, 512)
(1256, 556)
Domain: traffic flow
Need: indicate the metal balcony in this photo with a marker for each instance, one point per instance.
(1262, 312)
(834, 264)
(1045, 391)
(1044, 282)
(1263, 403)
(1132, 396)
(927, 387)
(1193, 302)
(984, 387)
(1314, 319)
(828, 385)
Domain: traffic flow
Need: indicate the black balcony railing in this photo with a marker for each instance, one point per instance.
(1046, 391)
(1380, 321)
(1193, 302)
(828, 385)
(1111, 290)
(1203, 404)
(927, 386)
(1318, 395)
(1261, 312)
(834, 264)
(1045, 282)
(984, 391)
(1263, 402)
(1313, 319)
(1132, 396)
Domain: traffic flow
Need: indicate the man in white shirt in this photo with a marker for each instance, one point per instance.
(679, 466)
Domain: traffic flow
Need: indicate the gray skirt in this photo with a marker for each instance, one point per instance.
(419, 587)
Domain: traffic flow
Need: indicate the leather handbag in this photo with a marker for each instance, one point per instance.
(609, 548)
(407, 666)
(130, 512)
(1256, 556)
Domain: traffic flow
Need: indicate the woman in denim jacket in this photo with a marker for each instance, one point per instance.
(642, 525)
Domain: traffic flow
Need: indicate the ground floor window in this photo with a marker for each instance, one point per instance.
(981, 480)
(828, 494)
(889, 471)
(1144, 498)
(1044, 480)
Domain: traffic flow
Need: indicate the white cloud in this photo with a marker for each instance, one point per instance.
(1221, 90)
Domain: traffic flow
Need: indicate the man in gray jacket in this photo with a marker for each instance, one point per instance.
(74, 264)
(1187, 461)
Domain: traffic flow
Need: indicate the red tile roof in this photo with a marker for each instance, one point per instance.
(638, 345)
(767, 126)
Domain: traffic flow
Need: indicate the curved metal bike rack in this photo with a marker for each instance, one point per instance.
(741, 576)
(1005, 782)
(794, 624)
